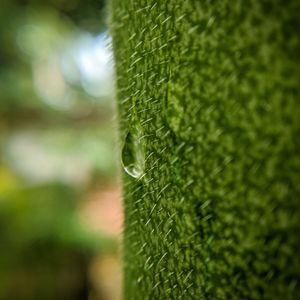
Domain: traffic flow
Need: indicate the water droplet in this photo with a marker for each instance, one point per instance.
(175, 109)
(133, 155)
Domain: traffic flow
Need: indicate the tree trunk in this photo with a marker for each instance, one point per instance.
(208, 97)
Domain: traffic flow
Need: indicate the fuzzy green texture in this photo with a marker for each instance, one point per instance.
(209, 90)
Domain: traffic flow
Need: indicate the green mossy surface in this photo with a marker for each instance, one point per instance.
(214, 88)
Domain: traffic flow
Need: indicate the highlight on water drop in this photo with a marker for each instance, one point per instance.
(133, 156)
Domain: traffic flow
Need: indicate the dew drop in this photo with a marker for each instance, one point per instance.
(133, 156)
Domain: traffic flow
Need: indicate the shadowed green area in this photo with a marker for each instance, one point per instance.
(214, 87)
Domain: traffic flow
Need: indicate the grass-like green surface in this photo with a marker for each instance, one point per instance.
(209, 90)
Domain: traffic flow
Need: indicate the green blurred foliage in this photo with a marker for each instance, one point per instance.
(50, 155)
(40, 235)
(32, 30)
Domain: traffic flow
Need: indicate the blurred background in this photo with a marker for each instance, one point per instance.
(60, 207)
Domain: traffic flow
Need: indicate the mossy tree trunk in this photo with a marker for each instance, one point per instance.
(208, 97)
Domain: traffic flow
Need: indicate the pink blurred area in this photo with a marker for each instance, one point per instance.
(102, 211)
